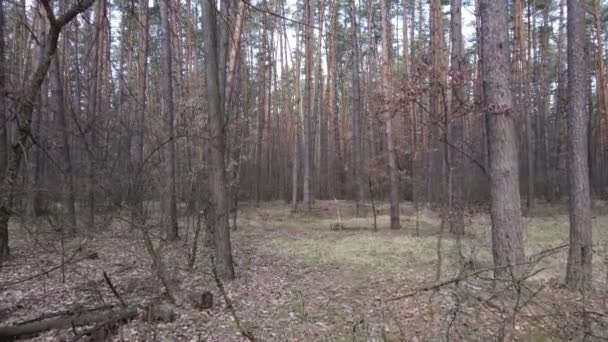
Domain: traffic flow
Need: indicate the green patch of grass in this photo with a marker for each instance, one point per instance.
(361, 249)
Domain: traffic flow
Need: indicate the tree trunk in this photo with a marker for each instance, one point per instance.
(338, 167)
(171, 228)
(142, 79)
(297, 114)
(507, 224)
(578, 272)
(455, 130)
(387, 89)
(69, 197)
(261, 110)
(3, 103)
(217, 179)
(307, 104)
(356, 108)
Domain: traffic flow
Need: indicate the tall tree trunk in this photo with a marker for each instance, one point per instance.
(507, 223)
(142, 79)
(261, 108)
(387, 89)
(459, 100)
(171, 228)
(3, 102)
(217, 179)
(524, 103)
(356, 108)
(322, 178)
(297, 113)
(338, 167)
(69, 197)
(307, 104)
(578, 272)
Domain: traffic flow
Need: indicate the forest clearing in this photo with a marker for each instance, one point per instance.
(302, 281)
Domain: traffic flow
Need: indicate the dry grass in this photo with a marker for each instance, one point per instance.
(306, 237)
(300, 281)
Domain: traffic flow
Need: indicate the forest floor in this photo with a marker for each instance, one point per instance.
(298, 280)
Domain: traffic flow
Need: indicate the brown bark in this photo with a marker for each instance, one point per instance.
(523, 86)
(170, 225)
(69, 197)
(357, 120)
(507, 223)
(3, 102)
(307, 104)
(578, 272)
(142, 79)
(387, 90)
(217, 180)
(261, 108)
(338, 174)
(455, 129)
(297, 113)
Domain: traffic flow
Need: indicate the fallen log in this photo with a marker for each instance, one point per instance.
(72, 320)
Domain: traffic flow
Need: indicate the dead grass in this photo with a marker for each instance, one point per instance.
(300, 281)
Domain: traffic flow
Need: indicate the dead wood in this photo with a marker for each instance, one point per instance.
(340, 227)
(66, 321)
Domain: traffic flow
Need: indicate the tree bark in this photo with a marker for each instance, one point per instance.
(387, 89)
(459, 101)
(507, 224)
(3, 102)
(578, 271)
(171, 228)
(69, 197)
(217, 179)
(307, 104)
(338, 172)
(356, 111)
(261, 109)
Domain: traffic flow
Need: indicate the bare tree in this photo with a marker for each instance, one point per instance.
(455, 129)
(170, 203)
(507, 223)
(387, 89)
(22, 110)
(356, 110)
(217, 179)
(578, 272)
(307, 104)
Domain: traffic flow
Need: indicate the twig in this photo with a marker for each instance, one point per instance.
(67, 261)
(114, 291)
(246, 333)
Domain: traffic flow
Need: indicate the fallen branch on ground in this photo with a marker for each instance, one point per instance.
(66, 321)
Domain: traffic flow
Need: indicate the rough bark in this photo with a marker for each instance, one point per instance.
(3, 102)
(356, 111)
(507, 224)
(259, 151)
(455, 129)
(307, 104)
(578, 272)
(387, 111)
(69, 197)
(171, 228)
(338, 175)
(217, 179)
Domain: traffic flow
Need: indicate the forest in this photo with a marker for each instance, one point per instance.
(304, 170)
